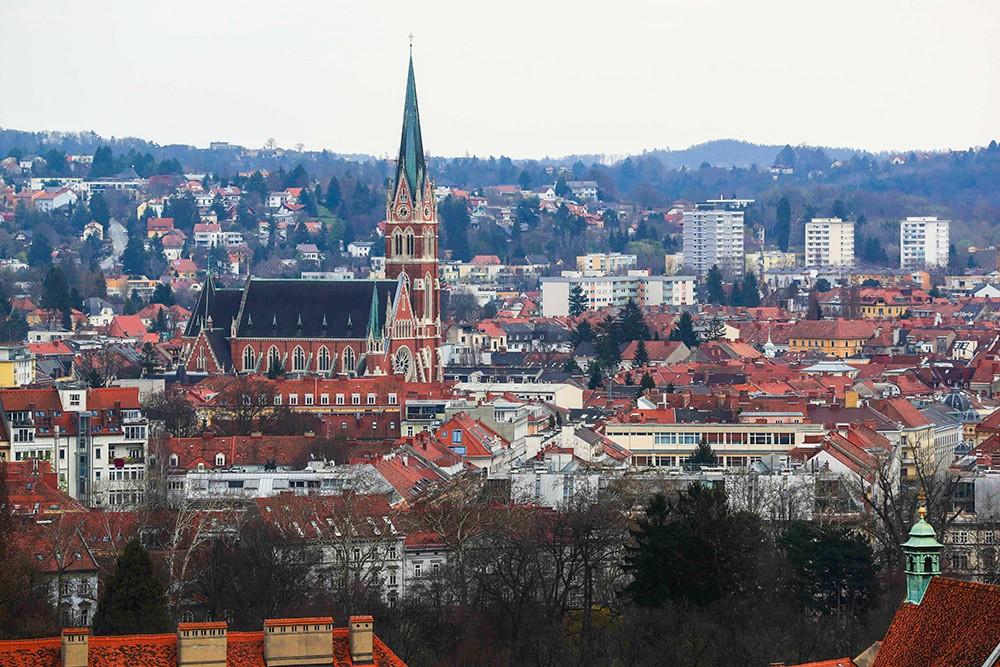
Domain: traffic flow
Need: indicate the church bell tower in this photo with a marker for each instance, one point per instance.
(411, 235)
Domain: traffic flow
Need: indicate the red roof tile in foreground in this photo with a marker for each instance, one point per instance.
(956, 625)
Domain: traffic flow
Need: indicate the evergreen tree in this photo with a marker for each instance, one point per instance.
(783, 226)
(736, 294)
(596, 377)
(702, 456)
(814, 311)
(684, 331)
(164, 294)
(839, 210)
(822, 285)
(953, 265)
(55, 290)
(99, 210)
(751, 290)
(714, 291)
(631, 323)
(308, 203)
(641, 355)
(716, 330)
(629, 381)
(524, 180)
(577, 300)
(103, 164)
(647, 382)
(258, 185)
(133, 600)
(833, 569)
(297, 178)
(562, 189)
(40, 252)
(692, 549)
(584, 333)
(455, 221)
(608, 348)
(134, 260)
(333, 197)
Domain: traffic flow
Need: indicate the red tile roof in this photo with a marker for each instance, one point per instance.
(832, 330)
(956, 625)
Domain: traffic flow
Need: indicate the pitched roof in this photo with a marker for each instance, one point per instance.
(832, 330)
(956, 625)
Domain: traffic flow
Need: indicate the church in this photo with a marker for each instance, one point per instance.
(339, 327)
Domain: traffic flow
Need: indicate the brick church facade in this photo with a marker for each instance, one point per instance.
(341, 327)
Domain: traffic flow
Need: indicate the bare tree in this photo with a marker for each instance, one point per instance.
(245, 405)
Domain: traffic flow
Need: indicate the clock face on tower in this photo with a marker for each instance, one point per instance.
(427, 212)
(403, 211)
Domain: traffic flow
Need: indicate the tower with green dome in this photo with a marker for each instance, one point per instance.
(922, 556)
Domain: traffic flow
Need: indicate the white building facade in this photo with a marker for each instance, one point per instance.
(923, 243)
(829, 242)
(713, 237)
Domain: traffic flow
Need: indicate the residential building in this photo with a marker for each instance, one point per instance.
(616, 291)
(769, 260)
(835, 338)
(95, 439)
(713, 237)
(554, 478)
(606, 262)
(923, 243)
(666, 437)
(583, 190)
(17, 366)
(829, 242)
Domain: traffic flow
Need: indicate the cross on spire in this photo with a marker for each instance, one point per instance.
(411, 40)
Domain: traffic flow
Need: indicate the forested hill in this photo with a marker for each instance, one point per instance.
(733, 153)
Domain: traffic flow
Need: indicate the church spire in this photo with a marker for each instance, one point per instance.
(373, 332)
(410, 163)
(922, 554)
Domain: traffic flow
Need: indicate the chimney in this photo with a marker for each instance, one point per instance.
(74, 647)
(295, 642)
(201, 644)
(361, 639)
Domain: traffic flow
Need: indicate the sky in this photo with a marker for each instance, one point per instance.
(523, 79)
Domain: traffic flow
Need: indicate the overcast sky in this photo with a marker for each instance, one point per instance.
(525, 79)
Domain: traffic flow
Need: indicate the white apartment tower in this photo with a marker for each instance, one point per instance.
(713, 237)
(829, 242)
(923, 243)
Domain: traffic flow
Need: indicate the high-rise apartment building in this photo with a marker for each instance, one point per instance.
(923, 243)
(713, 237)
(829, 242)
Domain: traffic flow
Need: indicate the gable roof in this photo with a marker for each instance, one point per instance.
(956, 625)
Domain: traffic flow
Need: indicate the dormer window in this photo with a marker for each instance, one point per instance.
(173, 461)
(220, 460)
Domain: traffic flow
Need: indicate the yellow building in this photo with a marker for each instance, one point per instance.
(17, 366)
(834, 338)
(769, 260)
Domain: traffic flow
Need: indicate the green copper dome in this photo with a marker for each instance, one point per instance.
(922, 535)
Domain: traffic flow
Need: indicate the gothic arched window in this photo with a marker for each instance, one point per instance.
(397, 242)
(298, 359)
(349, 360)
(273, 359)
(323, 360)
(428, 296)
(249, 359)
(409, 243)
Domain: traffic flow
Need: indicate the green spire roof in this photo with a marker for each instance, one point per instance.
(373, 327)
(410, 164)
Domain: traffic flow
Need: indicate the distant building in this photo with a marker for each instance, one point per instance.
(17, 366)
(713, 237)
(359, 249)
(616, 291)
(829, 242)
(583, 190)
(923, 243)
(606, 262)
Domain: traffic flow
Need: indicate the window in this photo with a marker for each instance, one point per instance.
(273, 359)
(135, 432)
(249, 359)
(324, 399)
(371, 399)
(392, 399)
(173, 460)
(220, 459)
(323, 360)
(355, 399)
(298, 359)
(349, 360)
(309, 399)
(416, 570)
(456, 437)
(293, 399)
(74, 400)
(340, 399)
(97, 453)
